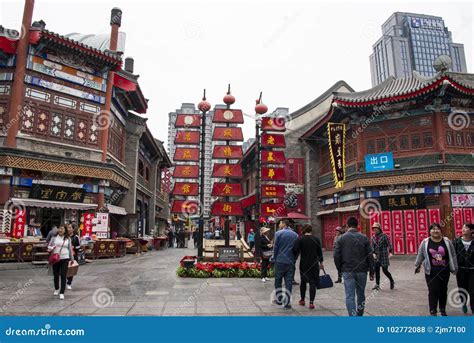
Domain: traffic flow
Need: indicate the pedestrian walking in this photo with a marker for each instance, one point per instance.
(53, 232)
(382, 252)
(437, 255)
(464, 250)
(311, 260)
(339, 232)
(266, 249)
(251, 239)
(284, 263)
(353, 256)
(76, 248)
(61, 245)
(195, 237)
(239, 235)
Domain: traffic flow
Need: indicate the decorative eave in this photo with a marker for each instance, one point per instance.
(13, 158)
(165, 162)
(57, 41)
(134, 94)
(395, 90)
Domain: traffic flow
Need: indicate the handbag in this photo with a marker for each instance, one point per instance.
(55, 257)
(72, 269)
(325, 281)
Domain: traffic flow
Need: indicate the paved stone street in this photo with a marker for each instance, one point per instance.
(148, 285)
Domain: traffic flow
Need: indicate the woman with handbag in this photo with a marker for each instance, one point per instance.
(309, 247)
(76, 248)
(266, 249)
(61, 256)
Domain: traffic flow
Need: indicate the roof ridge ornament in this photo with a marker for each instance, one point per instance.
(442, 63)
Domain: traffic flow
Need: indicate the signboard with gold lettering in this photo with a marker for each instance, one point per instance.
(336, 141)
(186, 188)
(227, 170)
(186, 154)
(188, 120)
(57, 193)
(187, 137)
(19, 223)
(273, 174)
(273, 124)
(186, 172)
(228, 116)
(226, 209)
(227, 151)
(9, 251)
(185, 206)
(273, 191)
(228, 134)
(403, 202)
(273, 157)
(227, 189)
(273, 210)
(273, 140)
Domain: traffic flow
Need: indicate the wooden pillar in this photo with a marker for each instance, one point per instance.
(115, 22)
(18, 87)
(439, 137)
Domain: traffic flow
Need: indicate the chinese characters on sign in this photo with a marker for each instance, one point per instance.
(336, 141)
(19, 224)
(186, 188)
(186, 172)
(186, 154)
(228, 116)
(57, 193)
(227, 151)
(87, 224)
(187, 137)
(228, 134)
(273, 124)
(226, 189)
(402, 202)
(226, 209)
(379, 162)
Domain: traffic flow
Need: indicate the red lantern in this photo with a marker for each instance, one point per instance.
(261, 108)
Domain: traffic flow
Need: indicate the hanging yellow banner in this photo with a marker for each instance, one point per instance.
(336, 142)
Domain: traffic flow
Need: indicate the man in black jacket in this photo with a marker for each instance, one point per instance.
(353, 256)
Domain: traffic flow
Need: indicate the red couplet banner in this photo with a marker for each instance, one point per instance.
(398, 233)
(434, 215)
(458, 221)
(468, 215)
(410, 231)
(87, 224)
(422, 223)
(386, 224)
(19, 224)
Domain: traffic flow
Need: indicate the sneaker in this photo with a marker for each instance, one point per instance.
(392, 284)
(311, 306)
(56, 292)
(264, 280)
(464, 309)
(61, 296)
(69, 287)
(267, 279)
(433, 313)
(443, 313)
(301, 302)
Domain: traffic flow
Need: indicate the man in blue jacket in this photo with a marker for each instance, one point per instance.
(284, 260)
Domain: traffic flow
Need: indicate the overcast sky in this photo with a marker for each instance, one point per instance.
(292, 51)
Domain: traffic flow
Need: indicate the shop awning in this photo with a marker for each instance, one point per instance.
(322, 213)
(116, 210)
(347, 209)
(53, 204)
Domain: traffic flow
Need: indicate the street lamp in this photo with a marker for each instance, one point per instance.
(204, 107)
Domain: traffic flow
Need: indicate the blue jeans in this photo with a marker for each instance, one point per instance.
(354, 283)
(287, 272)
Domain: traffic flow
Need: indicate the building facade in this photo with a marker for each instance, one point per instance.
(411, 42)
(66, 109)
(427, 126)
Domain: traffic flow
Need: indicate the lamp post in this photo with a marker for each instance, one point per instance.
(229, 99)
(204, 107)
(260, 109)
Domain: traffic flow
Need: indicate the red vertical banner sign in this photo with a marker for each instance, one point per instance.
(458, 221)
(422, 223)
(374, 218)
(386, 224)
(410, 231)
(329, 231)
(468, 215)
(19, 224)
(434, 215)
(87, 224)
(398, 233)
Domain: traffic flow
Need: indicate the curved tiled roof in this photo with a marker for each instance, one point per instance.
(393, 89)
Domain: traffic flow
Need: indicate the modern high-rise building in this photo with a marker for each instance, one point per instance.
(411, 42)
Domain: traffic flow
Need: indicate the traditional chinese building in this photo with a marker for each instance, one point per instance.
(408, 157)
(65, 110)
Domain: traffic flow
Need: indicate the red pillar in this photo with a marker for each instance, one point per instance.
(18, 87)
(115, 22)
(440, 138)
